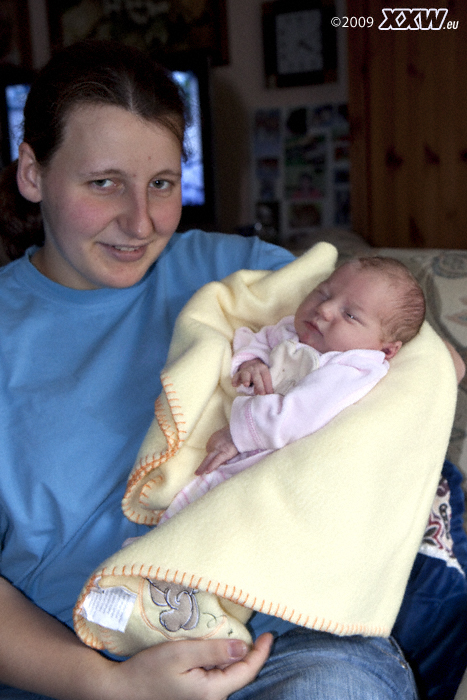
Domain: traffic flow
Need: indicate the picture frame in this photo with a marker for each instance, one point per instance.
(15, 39)
(299, 43)
(161, 27)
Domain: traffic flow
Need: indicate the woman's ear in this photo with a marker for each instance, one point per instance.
(28, 175)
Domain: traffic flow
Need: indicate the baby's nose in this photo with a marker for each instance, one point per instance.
(325, 310)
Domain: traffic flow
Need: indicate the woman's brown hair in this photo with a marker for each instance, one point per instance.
(93, 72)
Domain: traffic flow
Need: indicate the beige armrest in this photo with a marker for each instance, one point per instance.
(462, 690)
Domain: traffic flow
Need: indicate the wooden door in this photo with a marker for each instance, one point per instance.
(408, 114)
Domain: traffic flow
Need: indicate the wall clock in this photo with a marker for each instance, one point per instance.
(299, 42)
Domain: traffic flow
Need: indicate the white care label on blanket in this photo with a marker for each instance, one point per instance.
(109, 607)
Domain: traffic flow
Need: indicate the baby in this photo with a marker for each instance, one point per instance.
(299, 374)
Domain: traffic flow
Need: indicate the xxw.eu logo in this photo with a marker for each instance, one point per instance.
(420, 18)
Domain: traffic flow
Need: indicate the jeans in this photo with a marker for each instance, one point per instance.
(310, 665)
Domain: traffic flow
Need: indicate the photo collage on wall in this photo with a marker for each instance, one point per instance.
(301, 162)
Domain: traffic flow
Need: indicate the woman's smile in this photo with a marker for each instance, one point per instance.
(126, 252)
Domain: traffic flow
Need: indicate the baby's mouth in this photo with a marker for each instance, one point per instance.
(313, 326)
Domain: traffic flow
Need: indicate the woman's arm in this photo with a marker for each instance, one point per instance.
(39, 654)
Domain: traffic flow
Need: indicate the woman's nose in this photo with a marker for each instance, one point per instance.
(136, 219)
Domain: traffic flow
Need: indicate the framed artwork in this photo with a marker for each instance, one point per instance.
(301, 170)
(15, 43)
(158, 26)
(299, 42)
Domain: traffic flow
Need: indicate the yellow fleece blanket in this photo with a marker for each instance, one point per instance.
(322, 532)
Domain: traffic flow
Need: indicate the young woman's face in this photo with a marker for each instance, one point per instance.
(110, 198)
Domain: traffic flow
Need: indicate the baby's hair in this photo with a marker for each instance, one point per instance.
(409, 309)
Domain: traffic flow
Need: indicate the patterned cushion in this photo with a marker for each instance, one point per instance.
(443, 277)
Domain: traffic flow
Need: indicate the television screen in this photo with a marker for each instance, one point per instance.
(15, 97)
(197, 181)
(193, 184)
(191, 72)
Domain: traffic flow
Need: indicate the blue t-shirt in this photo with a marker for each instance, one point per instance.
(79, 373)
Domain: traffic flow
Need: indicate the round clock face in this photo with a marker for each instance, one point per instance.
(298, 42)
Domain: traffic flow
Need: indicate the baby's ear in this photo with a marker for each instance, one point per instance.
(392, 348)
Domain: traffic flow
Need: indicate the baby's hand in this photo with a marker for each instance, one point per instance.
(220, 448)
(254, 372)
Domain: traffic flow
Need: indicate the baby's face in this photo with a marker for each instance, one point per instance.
(344, 312)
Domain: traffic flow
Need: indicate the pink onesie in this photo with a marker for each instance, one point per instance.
(310, 388)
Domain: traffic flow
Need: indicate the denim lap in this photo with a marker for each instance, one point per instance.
(306, 664)
(309, 665)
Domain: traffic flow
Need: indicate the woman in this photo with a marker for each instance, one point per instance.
(86, 316)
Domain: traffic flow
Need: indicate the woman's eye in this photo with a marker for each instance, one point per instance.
(161, 184)
(102, 184)
(350, 316)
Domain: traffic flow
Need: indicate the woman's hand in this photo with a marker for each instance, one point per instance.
(254, 373)
(39, 654)
(220, 448)
(186, 670)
